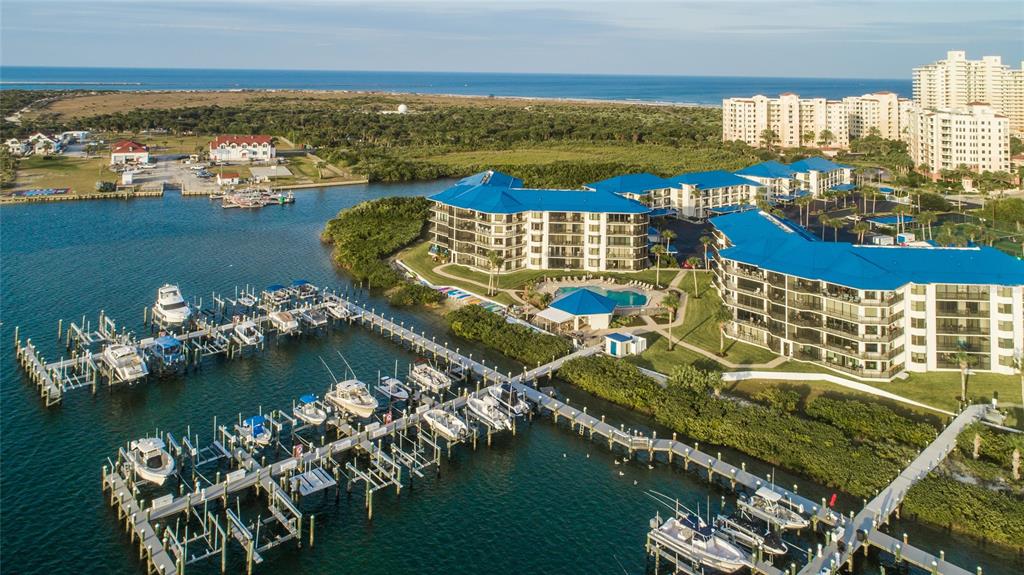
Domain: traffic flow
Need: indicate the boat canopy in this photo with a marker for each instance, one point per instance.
(275, 287)
(307, 398)
(149, 444)
(299, 283)
(167, 341)
(254, 421)
(764, 492)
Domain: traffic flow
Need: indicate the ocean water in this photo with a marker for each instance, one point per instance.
(545, 501)
(676, 89)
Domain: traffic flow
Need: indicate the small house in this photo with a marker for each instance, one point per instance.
(624, 344)
(228, 179)
(128, 152)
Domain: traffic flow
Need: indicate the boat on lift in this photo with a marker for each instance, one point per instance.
(284, 322)
(337, 310)
(254, 431)
(150, 460)
(509, 398)
(688, 535)
(276, 294)
(354, 397)
(246, 300)
(125, 361)
(313, 317)
(308, 410)
(487, 409)
(170, 308)
(303, 289)
(247, 333)
(392, 388)
(429, 377)
(767, 505)
(446, 424)
(749, 534)
(166, 352)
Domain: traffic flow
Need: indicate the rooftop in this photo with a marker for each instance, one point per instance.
(641, 183)
(584, 302)
(712, 179)
(769, 169)
(240, 140)
(127, 147)
(817, 164)
(492, 178)
(775, 244)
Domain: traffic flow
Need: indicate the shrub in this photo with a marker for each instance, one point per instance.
(870, 421)
(516, 341)
(409, 293)
(972, 509)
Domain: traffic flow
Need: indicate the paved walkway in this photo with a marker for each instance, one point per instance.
(439, 270)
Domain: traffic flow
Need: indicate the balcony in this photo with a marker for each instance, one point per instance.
(812, 304)
(805, 287)
(805, 319)
(962, 312)
(961, 295)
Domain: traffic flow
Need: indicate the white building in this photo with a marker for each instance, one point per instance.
(884, 113)
(975, 136)
(17, 147)
(44, 144)
(696, 194)
(228, 179)
(242, 149)
(128, 152)
(818, 175)
(957, 81)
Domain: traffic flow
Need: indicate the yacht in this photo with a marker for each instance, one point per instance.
(150, 459)
(352, 396)
(446, 424)
(170, 307)
(750, 535)
(284, 322)
(487, 409)
(254, 431)
(309, 411)
(248, 334)
(125, 362)
(765, 504)
(690, 536)
(429, 378)
(510, 399)
(392, 388)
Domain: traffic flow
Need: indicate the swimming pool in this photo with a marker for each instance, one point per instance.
(622, 298)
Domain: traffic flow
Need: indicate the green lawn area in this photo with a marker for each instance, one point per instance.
(79, 174)
(701, 330)
(518, 279)
(422, 263)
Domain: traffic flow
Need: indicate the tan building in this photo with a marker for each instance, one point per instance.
(884, 112)
(975, 136)
(957, 81)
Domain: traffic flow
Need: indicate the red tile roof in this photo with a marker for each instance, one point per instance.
(239, 140)
(127, 147)
(229, 176)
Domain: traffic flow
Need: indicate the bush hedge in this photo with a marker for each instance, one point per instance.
(870, 421)
(972, 509)
(409, 293)
(516, 341)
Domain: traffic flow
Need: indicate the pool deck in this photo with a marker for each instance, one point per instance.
(653, 295)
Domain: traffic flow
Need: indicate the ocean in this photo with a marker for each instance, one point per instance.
(704, 90)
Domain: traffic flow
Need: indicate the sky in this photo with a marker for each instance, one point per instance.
(808, 38)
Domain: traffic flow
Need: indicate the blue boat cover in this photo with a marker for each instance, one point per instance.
(307, 398)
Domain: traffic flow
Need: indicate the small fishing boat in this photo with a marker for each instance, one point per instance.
(248, 198)
(337, 310)
(166, 352)
(170, 308)
(284, 322)
(353, 396)
(303, 289)
(766, 505)
(309, 411)
(313, 318)
(125, 361)
(742, 531)
(487, 410)
(446, 424)
(392, 388)
(247, 333)
(510, 399)
(429, 378)
(255, 432)
(690, 536)
(150, 459)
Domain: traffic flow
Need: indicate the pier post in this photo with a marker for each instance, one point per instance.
(60, 327)
(312, 529)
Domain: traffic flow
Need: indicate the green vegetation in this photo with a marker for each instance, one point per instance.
(516, 341)
(972, 509)
(364, 236)
(995, 453)
(870, 421)
(410, 293)
(78, 174)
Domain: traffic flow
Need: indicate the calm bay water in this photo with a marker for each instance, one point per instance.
(535, 503)
(680, 89)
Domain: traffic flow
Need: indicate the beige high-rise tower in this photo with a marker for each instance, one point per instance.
(957, 81)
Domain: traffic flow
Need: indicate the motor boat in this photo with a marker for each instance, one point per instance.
(125, 361)
(150, 460)
(303, 289)
(750, 535)
(691, 537)
(510, 399)
(766, 505)
(337, 310)
(313, 317)
(276, 294)
(246, 300)
(446, 424)
(284, 322)
(487, 410)
(353, 396)
(429, 378)
(247, 333)
(309, 411)
(166, 351)
(392, 389)
(254, 431)
(170, 308)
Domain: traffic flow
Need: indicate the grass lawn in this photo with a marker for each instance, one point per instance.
(518, 279)
(79, 174)
(422, 263)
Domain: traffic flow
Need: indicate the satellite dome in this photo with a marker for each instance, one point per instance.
(402, 108)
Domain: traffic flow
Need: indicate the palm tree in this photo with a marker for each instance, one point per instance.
(825, 221)
(769, 137)
(496, 260)
(963, 360)
(804, 202)
(669, 235)
(947, 234)
(706, 241)
(658, 252)
(826, 137)
(835, 224)
(861, 228)
(672, 302)
(722, 317)
(694, 262)
(808, 137)
(926, 219)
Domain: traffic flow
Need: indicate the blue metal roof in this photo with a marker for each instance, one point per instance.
(641, 183)
(771, 243)
(500, 200)
(730, 208)
(844, 187)
(713, 179)
(769, 169)
(817, 164)
(254, 421)
(619, 337)
(491, 178)
(584, 302)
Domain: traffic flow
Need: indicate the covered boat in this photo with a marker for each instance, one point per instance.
(303, 289)
(247, 333)
(167, 352)
(150, 460)
(308, 410)
(284, 322)
(254, 431)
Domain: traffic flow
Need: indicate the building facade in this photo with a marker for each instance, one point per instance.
(818, 175)
(957, 81)
(872, 312)
(128, 152)
(975, 136)
(491, 214)
(696, 194)
(242, 149)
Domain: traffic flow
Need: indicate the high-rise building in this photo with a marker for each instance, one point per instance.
(975, 136)
(957, 81)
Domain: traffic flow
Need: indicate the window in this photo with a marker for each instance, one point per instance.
(919, 340)
(1006, 326)
(1006, 308)
(917, 306)
(918, 323)
(1006, 343)
(918, 290)
(1004, 291)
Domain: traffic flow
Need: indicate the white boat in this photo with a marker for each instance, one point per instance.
(313, 317)
(150, 459)
(337, 310)
(353, 396)
(125, 362)
(303, 289)
(284, 322)
(170, 307)
(766, 505)
(750, 535)
(392, 388)
(276, 294)
(246, 300)
(486, 409)
(691, 537)
(446, 424)
(254, 431)
(248, 334)
(510, 399)
(309, 411)
(429, 378)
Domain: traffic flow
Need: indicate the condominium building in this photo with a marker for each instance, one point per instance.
(492, 214)
(696, 194)
(882, 113)
(975, 136)
(869, 311)
(957, 81)
(818, 175)
(242, 149)
(648, 189)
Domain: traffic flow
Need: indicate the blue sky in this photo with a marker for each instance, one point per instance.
(858, 39)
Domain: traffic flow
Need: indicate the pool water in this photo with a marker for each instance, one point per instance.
(622, 298)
